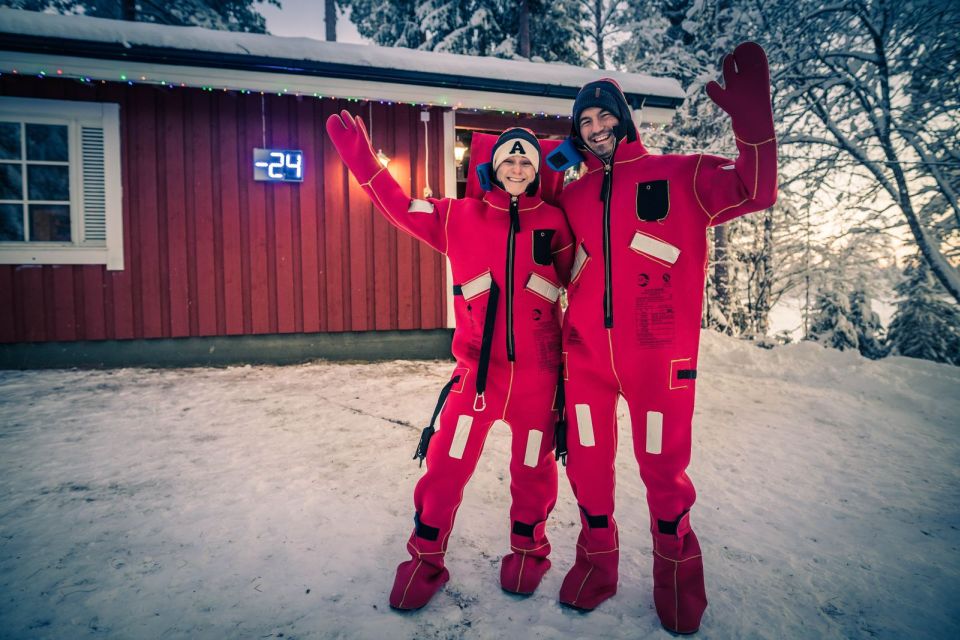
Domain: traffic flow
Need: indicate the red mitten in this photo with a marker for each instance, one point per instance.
(745, 95)
(349, 136)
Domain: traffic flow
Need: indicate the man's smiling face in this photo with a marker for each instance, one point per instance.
(596, 130)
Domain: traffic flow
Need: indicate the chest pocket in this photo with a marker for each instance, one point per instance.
(653, 200)
(542, 238)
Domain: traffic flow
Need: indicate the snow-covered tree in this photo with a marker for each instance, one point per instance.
(925, 325)
(604, 20)
(870, 333)
(873, 88)
(473, 27)
(831, 325)
(391, 23)
(225, 15)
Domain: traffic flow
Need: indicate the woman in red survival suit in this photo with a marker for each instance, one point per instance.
(510, 252)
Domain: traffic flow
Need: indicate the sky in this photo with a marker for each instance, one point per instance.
(304, 18)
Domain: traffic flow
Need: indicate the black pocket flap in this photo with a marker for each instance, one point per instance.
(542, 238)
(653, 200)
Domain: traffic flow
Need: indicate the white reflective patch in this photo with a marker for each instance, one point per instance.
(654, 248)
(459, 442)
(654, 432)
(543, 287)
(584, 425)
(420, 206)
(475, 287)
(578, 261)
(532, 456)
(729, 167)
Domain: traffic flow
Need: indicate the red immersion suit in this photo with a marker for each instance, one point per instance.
(507, 280)
(632, 329)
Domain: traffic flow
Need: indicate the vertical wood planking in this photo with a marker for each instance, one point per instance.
(384, 268)
(62, 303)
(408, 280)
(200, 185)
(234, 158)
(309, 125)
(174, 213)
(147, 284)
(260, 304)
(210, 252)
(334, 203)
(279, 129)
(94, 316)
(8, 325)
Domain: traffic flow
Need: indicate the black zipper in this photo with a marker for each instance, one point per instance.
(511, 248)
(606, 190)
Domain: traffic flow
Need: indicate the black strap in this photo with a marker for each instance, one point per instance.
(560, 430)
(428, 432)
(687, 374)
(489, 322)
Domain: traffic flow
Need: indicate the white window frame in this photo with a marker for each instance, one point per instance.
(75, 115)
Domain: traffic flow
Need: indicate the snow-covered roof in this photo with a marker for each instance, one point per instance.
(229, 59)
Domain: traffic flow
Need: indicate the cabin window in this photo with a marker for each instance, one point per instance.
(60, 194)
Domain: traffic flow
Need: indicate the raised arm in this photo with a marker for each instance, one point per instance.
(726, 189)
(423, 219)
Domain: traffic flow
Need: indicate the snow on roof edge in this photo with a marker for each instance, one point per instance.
(131, 34)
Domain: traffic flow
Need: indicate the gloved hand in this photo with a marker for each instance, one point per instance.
(745, 95)
(349, 136)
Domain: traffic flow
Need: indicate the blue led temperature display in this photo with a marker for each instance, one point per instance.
(277, 165)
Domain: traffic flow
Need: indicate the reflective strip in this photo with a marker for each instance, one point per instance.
(420, 206)
(584, 425)
(654, 432)
(578, 261)
(475, 287)
(459, 442)
(534, 438)
(543, 287)
(654, 248)
(729, 167)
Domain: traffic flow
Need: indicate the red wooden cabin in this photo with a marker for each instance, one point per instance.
(132, 230)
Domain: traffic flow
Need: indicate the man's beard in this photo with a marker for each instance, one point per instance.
(609, 146)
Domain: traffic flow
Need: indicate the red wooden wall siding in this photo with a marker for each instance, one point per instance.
(210, 252)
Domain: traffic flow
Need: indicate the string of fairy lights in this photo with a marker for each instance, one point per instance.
(286, 91)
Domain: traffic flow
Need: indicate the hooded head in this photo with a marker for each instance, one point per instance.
(607, 95)
(516, 146)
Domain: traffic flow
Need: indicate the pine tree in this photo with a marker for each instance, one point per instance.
(473, 27)
(925, 325)
(391, 23)
(831, 325)
(868, 325)
(225, 15)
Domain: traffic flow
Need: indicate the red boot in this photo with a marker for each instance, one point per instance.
(678, 590)
(594, 575)
(522, 570)
(423, 574)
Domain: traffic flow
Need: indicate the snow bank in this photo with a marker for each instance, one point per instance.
(259, 502)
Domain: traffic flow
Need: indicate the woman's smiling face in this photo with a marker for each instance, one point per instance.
(515, 173)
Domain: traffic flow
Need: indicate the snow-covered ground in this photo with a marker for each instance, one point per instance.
(267, 502)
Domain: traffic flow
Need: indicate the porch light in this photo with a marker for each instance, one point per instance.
(459, 150)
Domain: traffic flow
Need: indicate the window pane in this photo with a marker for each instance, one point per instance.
(48, 182)
(11, 222)
(10, 140)
(47, 142)
(11, 182)
(50, 222)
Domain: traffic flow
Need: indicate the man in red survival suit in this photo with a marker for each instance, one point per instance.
(633, 323)
(509, 252)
